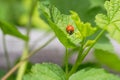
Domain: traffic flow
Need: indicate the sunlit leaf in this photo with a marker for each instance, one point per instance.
(111, 21)
(84, 28)
(58, 22)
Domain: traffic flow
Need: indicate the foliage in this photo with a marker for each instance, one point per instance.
(111, 21)
(85, 37)
(85, 29)
(45, 71)
(48, 71)
(11, 30)
(58, 22)
(93, 74)
(108, 58)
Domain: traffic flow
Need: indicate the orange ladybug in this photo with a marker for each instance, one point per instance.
(70, 29)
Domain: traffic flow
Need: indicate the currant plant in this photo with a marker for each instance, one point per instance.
(79, 38)
(74, 33)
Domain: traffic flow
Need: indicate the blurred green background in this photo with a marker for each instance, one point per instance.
(17, 11)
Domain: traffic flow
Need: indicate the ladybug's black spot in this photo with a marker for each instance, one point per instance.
(70, 32)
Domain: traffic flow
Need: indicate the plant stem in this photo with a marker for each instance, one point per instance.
(26, 58)
(81, 57)
(75, 66)
(87, 51)
(22, 68)
(6, 52)
(66, 63)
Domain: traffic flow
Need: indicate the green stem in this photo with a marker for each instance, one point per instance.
(66, 63)
(22, 68)
(87, 51)
(81, 57)
(6, 52)
(75, 66)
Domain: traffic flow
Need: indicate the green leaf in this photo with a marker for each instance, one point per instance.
(111, 21)
(58, 22)
(64, 39)
(11, 30)
(45, 71)
(93, 74)
(107, 58)
(104, 44)
(84, 28)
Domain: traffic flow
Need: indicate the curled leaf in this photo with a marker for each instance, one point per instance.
(84, 28)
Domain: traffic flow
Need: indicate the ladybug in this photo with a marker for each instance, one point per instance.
(70, 29)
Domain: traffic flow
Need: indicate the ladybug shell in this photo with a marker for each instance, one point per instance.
(70, 29)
